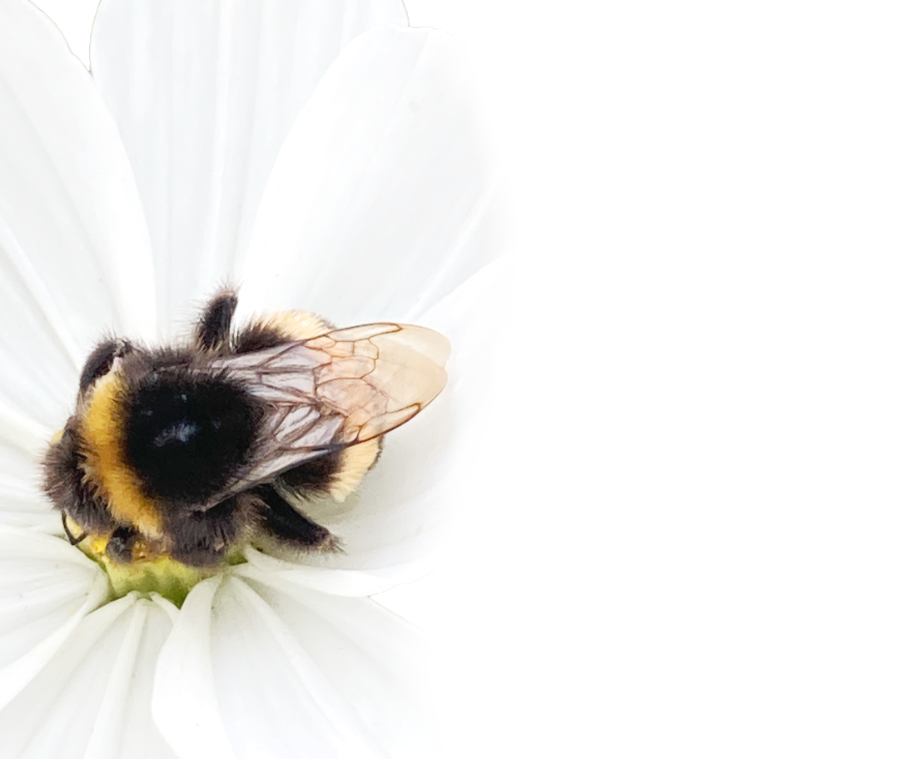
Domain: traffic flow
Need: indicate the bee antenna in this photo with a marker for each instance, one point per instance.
(72, 539)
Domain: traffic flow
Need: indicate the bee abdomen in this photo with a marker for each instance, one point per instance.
(279, 329)
(313, 478)
(334, 475)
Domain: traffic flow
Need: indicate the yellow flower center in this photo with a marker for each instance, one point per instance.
(148, 573)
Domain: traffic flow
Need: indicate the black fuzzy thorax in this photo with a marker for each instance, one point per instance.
(188, 433)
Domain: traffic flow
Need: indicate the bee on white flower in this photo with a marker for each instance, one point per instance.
(316, 155)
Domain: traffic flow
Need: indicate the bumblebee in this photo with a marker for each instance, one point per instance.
(191, 451)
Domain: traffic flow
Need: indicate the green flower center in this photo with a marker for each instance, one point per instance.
(153, 574)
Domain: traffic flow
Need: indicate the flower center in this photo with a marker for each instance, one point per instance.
(148, 572)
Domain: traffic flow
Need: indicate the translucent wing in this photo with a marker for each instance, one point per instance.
(336, 390)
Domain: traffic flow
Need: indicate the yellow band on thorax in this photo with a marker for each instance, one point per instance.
(104, 437)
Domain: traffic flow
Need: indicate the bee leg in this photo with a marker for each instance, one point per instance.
(72, 539)
(283, 522)
(203, 538)
(213, 331)
(100, 361)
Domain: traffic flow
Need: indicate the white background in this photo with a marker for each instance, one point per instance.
(696, 553)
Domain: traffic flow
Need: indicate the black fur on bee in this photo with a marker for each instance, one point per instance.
(286, 523)
(188, 435)
(213, 331)
(64, 482)
(100, 361)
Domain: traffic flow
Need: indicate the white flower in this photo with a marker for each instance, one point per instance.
(322, 155)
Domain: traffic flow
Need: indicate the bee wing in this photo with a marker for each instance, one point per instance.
(336, 390)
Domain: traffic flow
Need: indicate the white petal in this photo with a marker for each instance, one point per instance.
(204, 94)
(340, 582)
(373, 660)
(48, 587)
(427, 481)
(379, 186)
(74, 252)
(124, 727)
(93, 699)
(184, 695)
(294, 673)
(22, 504)
(22, 443)
(74, 18)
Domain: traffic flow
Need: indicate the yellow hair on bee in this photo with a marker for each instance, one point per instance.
(298, 325)
(355, 462)
(103, 433)
(357, 459)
